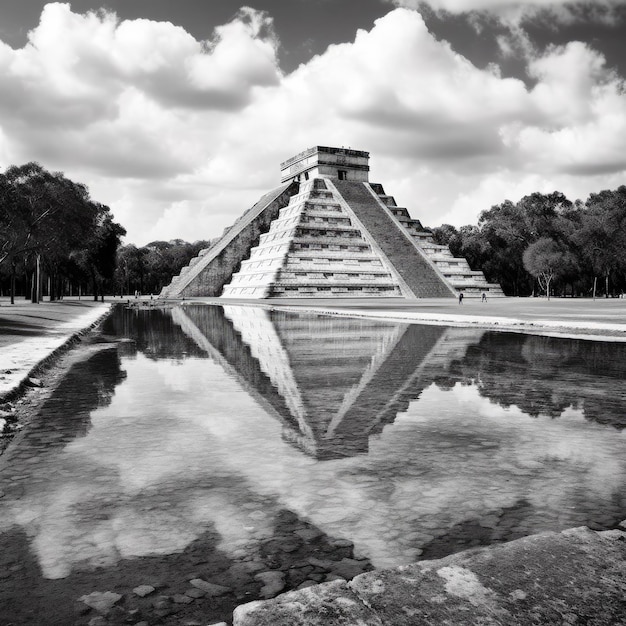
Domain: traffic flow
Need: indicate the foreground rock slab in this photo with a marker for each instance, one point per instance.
(322, 605)
(574, 577)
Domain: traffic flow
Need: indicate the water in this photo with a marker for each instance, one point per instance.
(223, 444)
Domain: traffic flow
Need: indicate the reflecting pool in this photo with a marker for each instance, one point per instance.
(258, 450)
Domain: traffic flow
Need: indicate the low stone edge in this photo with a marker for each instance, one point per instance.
(560, 577)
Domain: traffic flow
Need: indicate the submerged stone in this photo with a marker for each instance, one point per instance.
(101, 601)
(273, 583)
(210, 588)
(143, 590)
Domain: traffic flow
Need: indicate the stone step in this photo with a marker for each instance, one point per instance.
(416, 271)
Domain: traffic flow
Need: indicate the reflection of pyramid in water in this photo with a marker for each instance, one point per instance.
(331, 381)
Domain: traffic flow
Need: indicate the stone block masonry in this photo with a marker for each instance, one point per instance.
(207, 273)
(315, 248)
(417, 272)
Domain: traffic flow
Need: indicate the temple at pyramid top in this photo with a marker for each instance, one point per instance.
(325, 162)
(327, 232)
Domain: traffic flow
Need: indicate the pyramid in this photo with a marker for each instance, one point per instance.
(327, 232)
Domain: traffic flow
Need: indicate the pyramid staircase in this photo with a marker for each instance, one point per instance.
(456, 270)
(314, 249)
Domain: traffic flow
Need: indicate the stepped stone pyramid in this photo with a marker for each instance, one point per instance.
(328, 232)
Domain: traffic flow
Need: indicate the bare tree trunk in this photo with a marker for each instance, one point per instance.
(12, 281)
(38, 280)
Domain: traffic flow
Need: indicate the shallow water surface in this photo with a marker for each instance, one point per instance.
(254, 449)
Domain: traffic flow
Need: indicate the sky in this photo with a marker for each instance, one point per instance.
(177, 115)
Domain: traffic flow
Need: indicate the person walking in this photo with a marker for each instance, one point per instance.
(461, 298)
(484, 298)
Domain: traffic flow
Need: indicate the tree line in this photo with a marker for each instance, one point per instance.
(55, 240)
(147, 269)
(546, 244)
(53, 236)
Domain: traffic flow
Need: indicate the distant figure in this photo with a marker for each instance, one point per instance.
(136, 294)
(460, 298)
(484, 298)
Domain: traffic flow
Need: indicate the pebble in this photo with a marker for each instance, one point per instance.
(210, 588)
(322, 564)
(307, 583)
(181, 598)
(273, 583)
(101, 601)
(144, 590)
(309, 534)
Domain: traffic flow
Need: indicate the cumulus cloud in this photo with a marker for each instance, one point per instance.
(125, 86)
(514, 12)
(180, 136)
(583, 110)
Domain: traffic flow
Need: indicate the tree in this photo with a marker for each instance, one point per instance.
(545, 259)
(46, 220)
(503, 231)
(446, 234)
(98, 258)
(602, 234)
